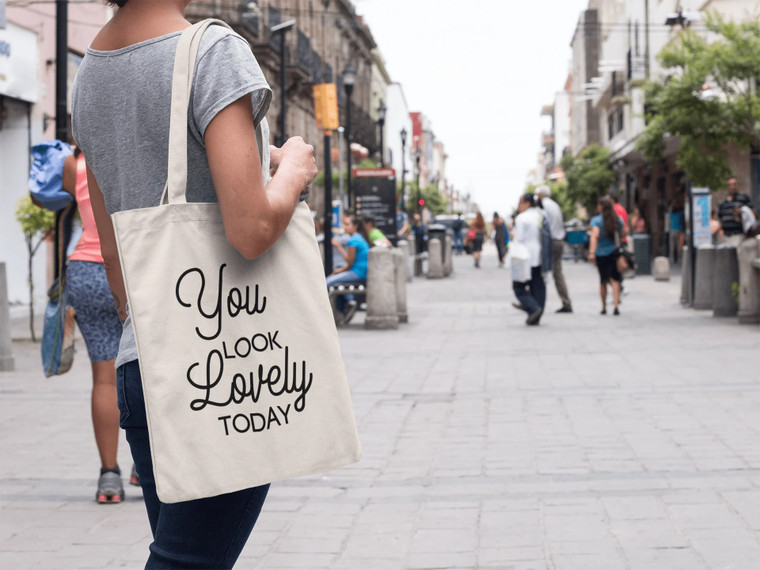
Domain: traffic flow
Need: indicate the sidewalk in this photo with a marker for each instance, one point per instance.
(588, 442)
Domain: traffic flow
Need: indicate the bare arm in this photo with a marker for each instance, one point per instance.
(592, 245)
(350, 257)
(108, 248)
(255, 216)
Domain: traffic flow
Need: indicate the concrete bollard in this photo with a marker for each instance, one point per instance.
(435, 262)
(7, 363)
(749, 282)
(418, 269)
(661, 269)
(403, 246)
(703, 286)
(686, 293)
(381, 290)
(400, 263)
(725, 282)
(448, 251)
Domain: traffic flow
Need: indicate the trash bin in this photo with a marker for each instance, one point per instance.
(641, 254)
(438, 231)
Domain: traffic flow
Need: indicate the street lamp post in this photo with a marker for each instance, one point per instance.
(349, 79)
(282, 29)
(381, 110)
(403, 168)
(417, 157)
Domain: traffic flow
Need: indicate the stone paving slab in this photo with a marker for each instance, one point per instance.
(589, 442)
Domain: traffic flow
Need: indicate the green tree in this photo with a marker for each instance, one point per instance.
(589, 176)
(706, 122)
(434, 200)
(37, 224)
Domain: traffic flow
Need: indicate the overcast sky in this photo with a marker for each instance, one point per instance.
(480, 70)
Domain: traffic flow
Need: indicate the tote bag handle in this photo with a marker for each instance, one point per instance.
(182, 83)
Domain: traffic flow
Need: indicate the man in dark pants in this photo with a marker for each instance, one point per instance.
(729, 211)
(531, 294)
(557, 227)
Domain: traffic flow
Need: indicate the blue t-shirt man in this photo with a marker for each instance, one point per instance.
(606, 245)
(362, 254)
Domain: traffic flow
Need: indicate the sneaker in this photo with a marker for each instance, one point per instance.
(564, 309)
(350, 311)
(534, 317)
(134, 478)
(616, 312)
(110, 489)
(518, 306)
(604, 311)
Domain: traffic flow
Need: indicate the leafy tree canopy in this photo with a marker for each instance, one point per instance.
(589, 176)
(706, 121)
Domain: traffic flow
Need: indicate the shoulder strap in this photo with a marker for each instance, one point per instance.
(184, 68)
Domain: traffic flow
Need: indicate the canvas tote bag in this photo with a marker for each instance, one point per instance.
(241, 367)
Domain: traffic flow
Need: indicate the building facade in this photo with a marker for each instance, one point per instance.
(27, 116)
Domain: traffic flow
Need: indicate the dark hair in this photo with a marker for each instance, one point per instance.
(610, 218)
(369, 219)
(528, 198)
(732, 177)
(359, 223)
(119, 3)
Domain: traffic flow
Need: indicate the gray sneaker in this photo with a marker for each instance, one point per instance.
(110, 489)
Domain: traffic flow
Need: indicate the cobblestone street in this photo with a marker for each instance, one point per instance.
(588, 442)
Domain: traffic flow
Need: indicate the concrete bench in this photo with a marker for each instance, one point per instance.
(749, 281)
(341, 290)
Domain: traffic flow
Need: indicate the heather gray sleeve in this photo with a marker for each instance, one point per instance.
(226, 70)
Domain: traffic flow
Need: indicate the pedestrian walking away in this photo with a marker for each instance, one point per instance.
(458, 227)
(531, 294)
(607, 230)
(479, 226)
(99, 323)
(500, 237)
(557, 228)
(121, 105)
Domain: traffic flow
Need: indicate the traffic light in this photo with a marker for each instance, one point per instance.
(422, 202)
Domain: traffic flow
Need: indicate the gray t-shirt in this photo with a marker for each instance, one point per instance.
(120, 118)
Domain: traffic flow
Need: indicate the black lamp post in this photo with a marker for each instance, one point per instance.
(349, 80)
(381, 110)
(282, 29)
(403, 168)
(417, 157)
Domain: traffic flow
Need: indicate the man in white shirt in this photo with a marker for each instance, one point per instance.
(557, 228)
(531, 294)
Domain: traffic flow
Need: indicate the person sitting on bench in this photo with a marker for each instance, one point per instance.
(355, 271)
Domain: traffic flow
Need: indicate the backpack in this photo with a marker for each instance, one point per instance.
(46, 174)
(547, 258)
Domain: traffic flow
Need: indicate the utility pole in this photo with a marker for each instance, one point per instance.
(646, 38)
(61, 69)
(327, 226)
(63, 218)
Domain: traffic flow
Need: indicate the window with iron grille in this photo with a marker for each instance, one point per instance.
(316, 67)
(249, 16)
(303, 51)
(274, 19)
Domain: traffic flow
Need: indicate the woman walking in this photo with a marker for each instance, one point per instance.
(479, 225)
(89, 295)
(121, 116)
(356, 255)
(607, 232)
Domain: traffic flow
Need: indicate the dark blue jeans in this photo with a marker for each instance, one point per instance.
(531, 294)
(205, 533)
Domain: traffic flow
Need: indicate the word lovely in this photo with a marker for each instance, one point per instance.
(252, 378)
